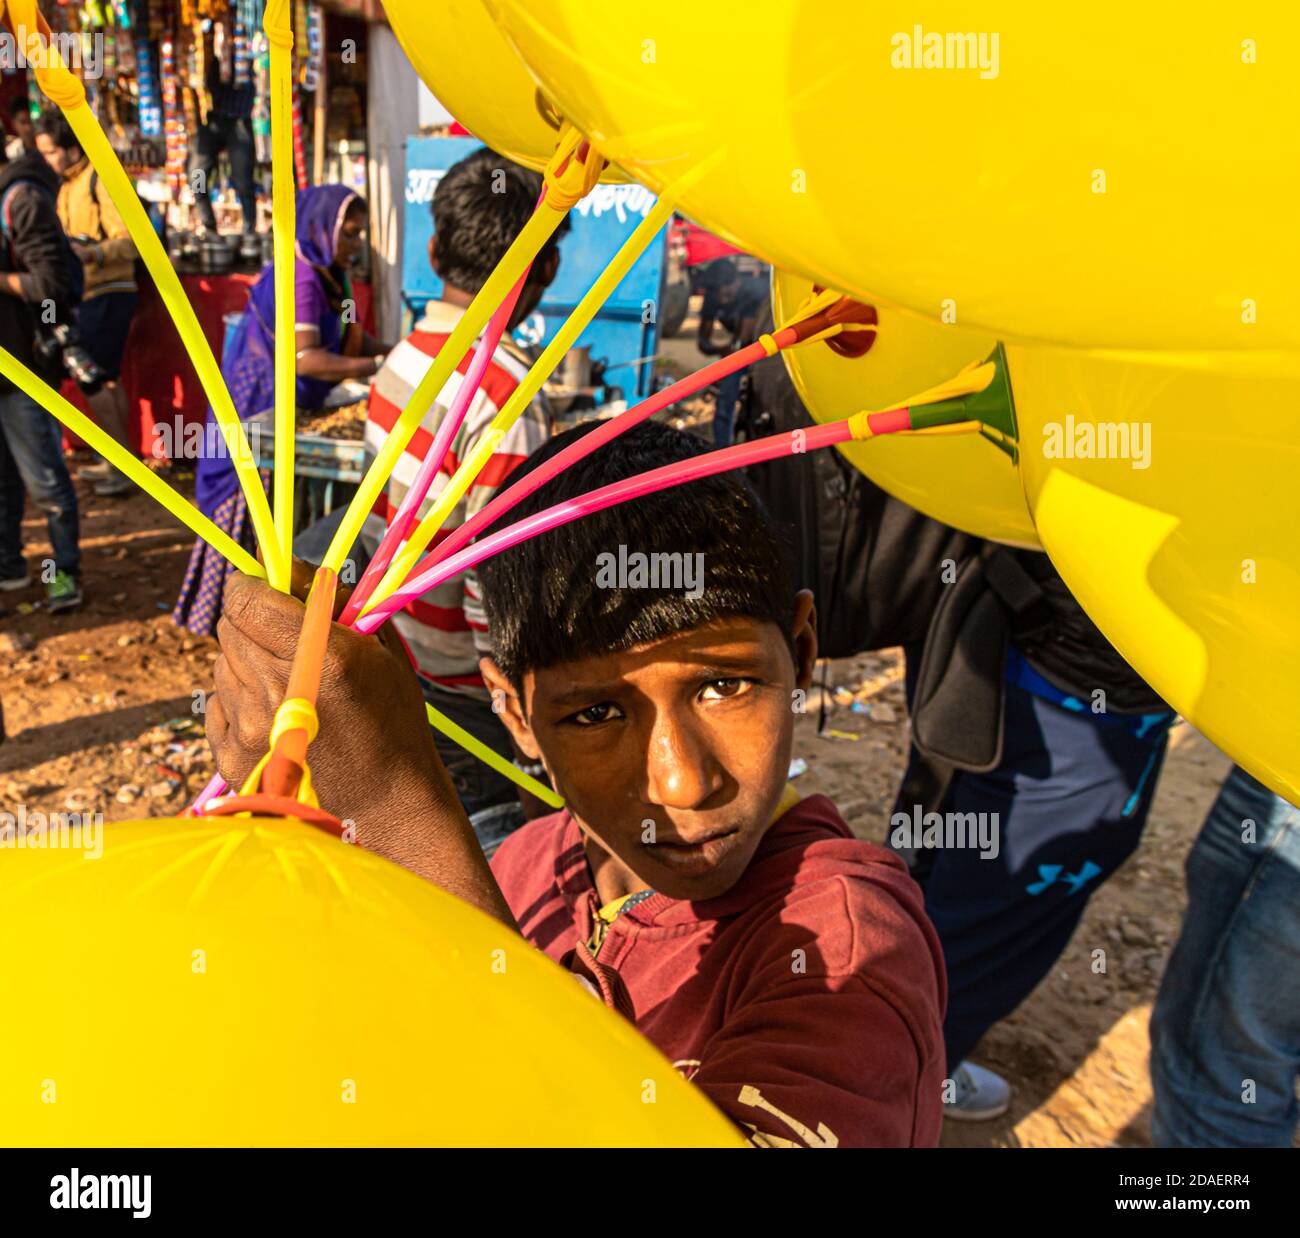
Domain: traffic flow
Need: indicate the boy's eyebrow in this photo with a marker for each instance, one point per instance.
(724, 660)
(574, 695)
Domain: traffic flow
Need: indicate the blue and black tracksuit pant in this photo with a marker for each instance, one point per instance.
(1071, 794)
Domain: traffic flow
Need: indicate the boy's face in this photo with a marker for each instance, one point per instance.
(672, 756)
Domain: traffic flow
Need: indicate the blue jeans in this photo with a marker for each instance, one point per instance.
(724, 411)
(105, 324)
(31, 459)
(1225, 1034)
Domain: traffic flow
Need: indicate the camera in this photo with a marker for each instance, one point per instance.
(61, 344)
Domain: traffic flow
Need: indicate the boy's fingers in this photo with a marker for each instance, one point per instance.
(215, 725)
(267, 618)
(229, 638)
(247, 708)
(255, 670)
(231, 687)
(300, 579)
(229, 758)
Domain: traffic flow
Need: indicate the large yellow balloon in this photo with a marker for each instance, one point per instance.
(1163, 486)
(1116, 175)
(1166, 489)
(964, 481)
(259, 982)
(463, 58)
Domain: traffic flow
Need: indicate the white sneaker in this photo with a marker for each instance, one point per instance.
(9, 583)
(981, 1095)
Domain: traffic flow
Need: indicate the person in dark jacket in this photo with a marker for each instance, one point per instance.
(1031, 735)
(37, 286)
(735, 302)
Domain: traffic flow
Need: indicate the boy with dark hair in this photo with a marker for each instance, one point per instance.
(479, 207)
(651, 657)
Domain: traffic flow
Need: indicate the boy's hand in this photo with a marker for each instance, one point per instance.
(373, 733)
(373, 762)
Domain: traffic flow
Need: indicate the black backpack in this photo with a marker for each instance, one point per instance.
(73, 267)
(875, 565)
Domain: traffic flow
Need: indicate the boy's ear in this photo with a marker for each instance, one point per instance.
(804, 636)
(509, 708)
(433, 253)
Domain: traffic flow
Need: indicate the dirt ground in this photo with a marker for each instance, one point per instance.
(102, 714)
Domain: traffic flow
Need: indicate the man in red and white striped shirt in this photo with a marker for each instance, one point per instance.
(479, 207)
(445, 628)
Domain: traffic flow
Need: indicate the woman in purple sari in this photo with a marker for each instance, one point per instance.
(330, 346)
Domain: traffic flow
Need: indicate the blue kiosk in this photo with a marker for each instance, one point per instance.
(622, 338)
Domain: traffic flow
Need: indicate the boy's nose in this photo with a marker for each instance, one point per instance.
(681, 771)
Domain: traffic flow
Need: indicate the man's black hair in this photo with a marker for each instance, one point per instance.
(481, 204)
(20, 107)
(54, 125)
(544, 603)
(721, 272)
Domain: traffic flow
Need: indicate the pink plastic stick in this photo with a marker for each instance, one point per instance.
(396, 532)
(583, 447)
(429, 466)
(443, 562)
(216, 785)
(429, 574)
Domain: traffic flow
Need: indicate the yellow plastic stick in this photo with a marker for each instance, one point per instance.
(527, 245)
(509, 413)
(64, 89)
(93, 141)
(475, 746)
(128, 463)
(279, 34)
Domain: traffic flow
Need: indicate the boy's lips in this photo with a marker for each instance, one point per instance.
(697, 857)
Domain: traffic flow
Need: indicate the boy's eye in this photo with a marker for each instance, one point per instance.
(721, 689)
(593, 715)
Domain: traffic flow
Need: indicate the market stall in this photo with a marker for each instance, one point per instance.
(165, 392)
(182, 88)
